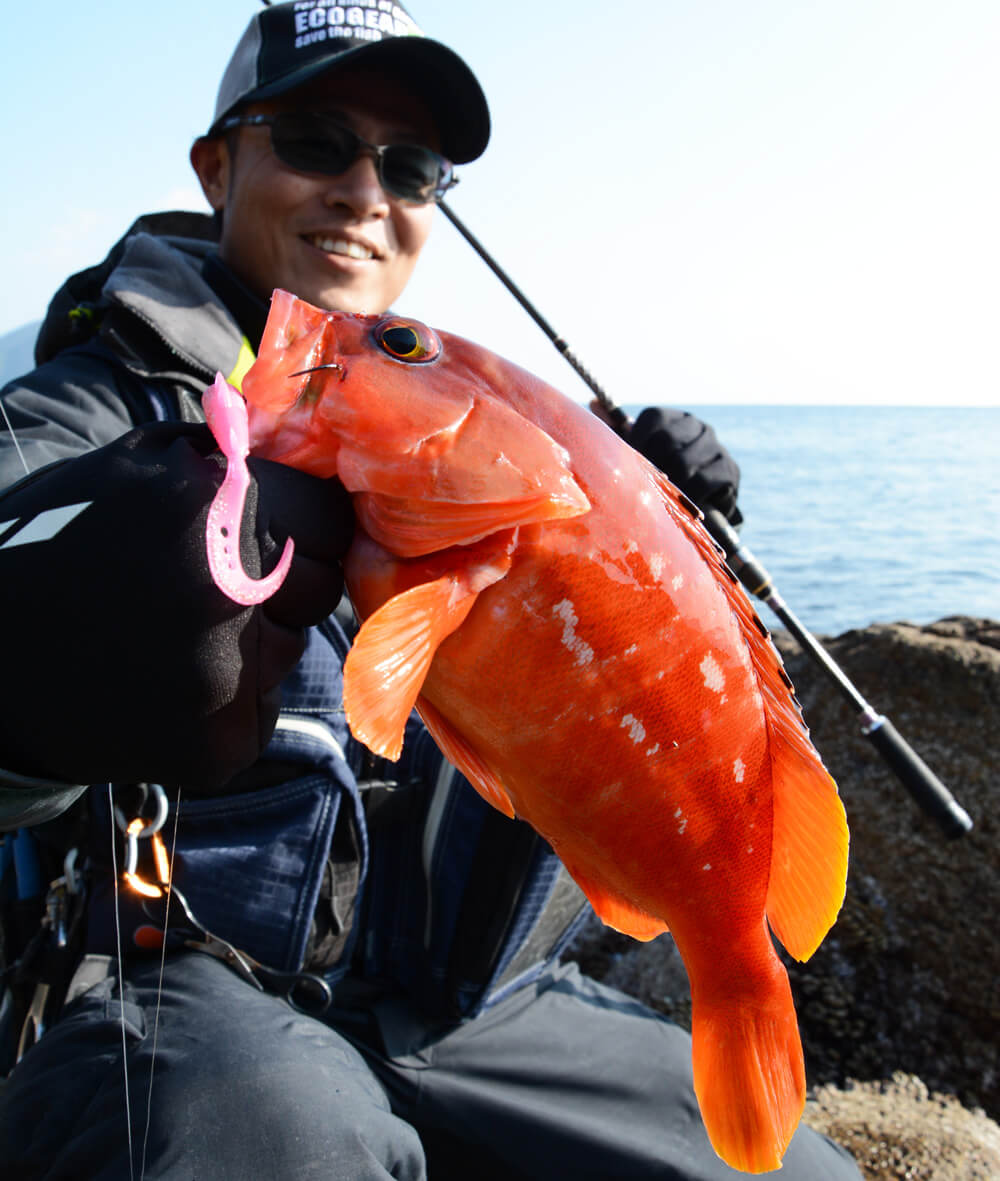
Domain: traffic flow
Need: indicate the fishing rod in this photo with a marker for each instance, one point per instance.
(925, 787)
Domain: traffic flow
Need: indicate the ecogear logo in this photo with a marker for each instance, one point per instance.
(371, 20)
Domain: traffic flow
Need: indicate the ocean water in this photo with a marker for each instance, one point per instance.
(870, 514)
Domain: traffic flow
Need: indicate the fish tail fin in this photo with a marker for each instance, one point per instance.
(749, 1075)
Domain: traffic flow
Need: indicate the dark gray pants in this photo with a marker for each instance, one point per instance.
(566, 1079)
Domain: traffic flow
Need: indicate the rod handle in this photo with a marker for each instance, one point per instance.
(918, 779)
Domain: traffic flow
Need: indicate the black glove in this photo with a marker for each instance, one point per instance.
(687, 451)
(122, 660)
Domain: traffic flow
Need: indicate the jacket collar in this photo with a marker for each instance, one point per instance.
(160, 281)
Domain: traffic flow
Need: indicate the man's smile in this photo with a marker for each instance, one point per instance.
(336, 244)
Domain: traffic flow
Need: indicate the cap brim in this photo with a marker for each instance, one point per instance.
(434, 71)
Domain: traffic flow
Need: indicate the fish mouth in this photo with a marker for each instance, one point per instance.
(342, 245)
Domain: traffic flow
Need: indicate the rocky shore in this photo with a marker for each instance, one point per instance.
(900, 1008)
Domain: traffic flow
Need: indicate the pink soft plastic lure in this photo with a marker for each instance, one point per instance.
(226, 415)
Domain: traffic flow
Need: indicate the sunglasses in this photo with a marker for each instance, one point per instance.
(318, 143)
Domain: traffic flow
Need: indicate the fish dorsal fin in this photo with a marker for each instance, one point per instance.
(809, 830)
(390, 658)
(457, 751)
(809, 837)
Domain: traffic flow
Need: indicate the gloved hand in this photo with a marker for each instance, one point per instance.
(122, 660)
(688, 452)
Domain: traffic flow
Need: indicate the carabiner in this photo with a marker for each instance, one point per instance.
(137, 829)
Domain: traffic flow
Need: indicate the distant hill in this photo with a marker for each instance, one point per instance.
(17, 351)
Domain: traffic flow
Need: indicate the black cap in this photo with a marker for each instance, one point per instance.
(287, 45)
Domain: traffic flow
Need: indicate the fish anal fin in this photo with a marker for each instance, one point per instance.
(615, 911)
(749, 1075)
(461, 754)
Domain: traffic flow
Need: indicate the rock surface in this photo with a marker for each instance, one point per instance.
(900, 1008)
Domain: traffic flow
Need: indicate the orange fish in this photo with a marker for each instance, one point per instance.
(553, 608)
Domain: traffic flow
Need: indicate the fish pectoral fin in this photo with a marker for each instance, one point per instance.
(458, 751)
(615, 911)
(390, 658)
(392, 654)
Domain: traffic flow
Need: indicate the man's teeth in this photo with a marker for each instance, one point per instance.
(339, 246)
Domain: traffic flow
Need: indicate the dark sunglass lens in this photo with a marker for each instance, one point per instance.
(313, 144)
(412, 172)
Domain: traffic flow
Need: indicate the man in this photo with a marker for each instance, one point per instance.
(362, 981)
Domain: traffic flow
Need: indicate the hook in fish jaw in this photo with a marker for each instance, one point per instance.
(317, 368)
(226, 414)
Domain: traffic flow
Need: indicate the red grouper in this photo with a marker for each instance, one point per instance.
(553, 608)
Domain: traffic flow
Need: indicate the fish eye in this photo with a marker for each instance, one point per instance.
(407, 340)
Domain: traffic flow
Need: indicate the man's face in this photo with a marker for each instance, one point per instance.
(339, 242)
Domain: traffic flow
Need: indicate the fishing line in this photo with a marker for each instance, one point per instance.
(618, 417)
(13, 435)
(118, 932)
(121, 980)
(159, 987)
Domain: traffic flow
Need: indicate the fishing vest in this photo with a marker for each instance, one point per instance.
(427, 890)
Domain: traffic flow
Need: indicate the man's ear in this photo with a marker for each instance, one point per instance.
(211, 160)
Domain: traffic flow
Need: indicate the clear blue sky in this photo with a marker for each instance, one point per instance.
(713, 200)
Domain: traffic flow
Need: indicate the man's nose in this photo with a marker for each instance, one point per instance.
(359, 187)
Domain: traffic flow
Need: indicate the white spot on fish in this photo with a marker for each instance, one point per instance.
(714, 677)
(739, 770)
(656, 566)
(652, 751)
(707, 865)
(683, 825)
(749, 848)
(631, 651)
(677, 581)
(678, 813)
(636, 730)
(581, 650)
